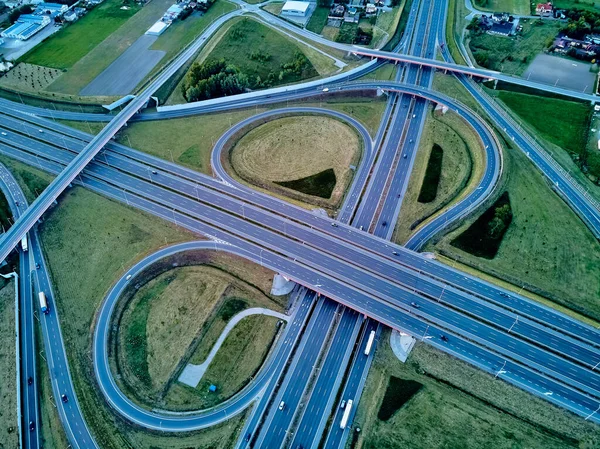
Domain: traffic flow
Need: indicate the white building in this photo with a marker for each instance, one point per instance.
(26, 26)
(294, 8)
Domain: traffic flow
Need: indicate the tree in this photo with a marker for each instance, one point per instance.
(15, 13)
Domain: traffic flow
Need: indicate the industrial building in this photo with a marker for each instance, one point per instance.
(294, 8)
(26, 26)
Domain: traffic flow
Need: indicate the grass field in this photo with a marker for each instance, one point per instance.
(454, 26)
(89, 66)
(562, 122)
(88, 127)
(32, 181)
(9, 434)
(512, 55)
(274, 8)
(519, 7)
(240, 357)
(461, 168)
(459, 406)
(547, 248)
(580, 4)
(318, 19)
(292, 148)
(69, 45)
(386, 72)
(385, 26)
(189, 141)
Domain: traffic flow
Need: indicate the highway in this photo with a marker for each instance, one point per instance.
(29, 393)
(180, 220)
(538, 359)
(33, 213)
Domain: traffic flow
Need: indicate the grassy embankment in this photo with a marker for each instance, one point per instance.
(455, 25)
(563, 123)
(109, 237)
(182, 312)
(189, 141)
(318, 20)
(9, 434)
(295, 153)
(518, 7)
(534, 252)
(88, 127)
(461, 169)
(458, 406)
(258, 51)
(274, 8)
(512, 55)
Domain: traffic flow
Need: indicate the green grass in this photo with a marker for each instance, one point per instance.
(460, 406)
(398, 32)
(433, 173)
(454, 26)
(484, 236)
(519, 7)
(462, 166)
(386, 72)
(189, 140)
(512, 55)
(249, 36)
(318, 19)
(32, 181)
(397, 393)
(9, 434)
(88, 127)
(274, 8)
(237, 361)
(562, 122)
(320, 184)
(386, 25)
(547, 248)
(102, 55)
(69, 45)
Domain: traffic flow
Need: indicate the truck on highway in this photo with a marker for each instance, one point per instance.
(24, 243)
(370, 342)
(43, 303)
(346, 415)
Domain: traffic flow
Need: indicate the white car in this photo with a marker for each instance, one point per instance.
(41, 130)
(3, 133)
(281, 405)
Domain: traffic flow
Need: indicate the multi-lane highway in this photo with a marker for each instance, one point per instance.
(505, 334)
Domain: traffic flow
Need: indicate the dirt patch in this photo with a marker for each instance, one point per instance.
(291, 148)
(30, 77)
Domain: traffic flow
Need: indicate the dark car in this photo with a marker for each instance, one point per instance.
(31, 426)
(443, 337)
(37, 266)
(416, 306)
(64, 398)
(384, 224)
(29, 380)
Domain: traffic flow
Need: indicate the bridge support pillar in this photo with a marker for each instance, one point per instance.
(401, 344)
(281, 285)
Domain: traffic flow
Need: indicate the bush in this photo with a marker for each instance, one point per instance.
(213, 79)
(484, 236)
(15, 13)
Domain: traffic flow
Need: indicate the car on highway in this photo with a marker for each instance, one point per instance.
(405, 156)
(416, 306)
(154, 172)
(3, 133)
(444, 338)
(37, 266)
(335, 225)
(343, 404)
(384, 224)
(41, 130)
(31, 426)
(30, 380)
(64, 398)
(326, 89)
(281, 405)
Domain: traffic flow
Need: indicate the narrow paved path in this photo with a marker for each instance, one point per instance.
(192, 374)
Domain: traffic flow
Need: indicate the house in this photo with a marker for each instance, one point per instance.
(295, 8)
(337, 10)
(51, 9)
(544, 9)
(352, 15)
(26, 26)
(70, 16)
(501, 28)
(370, 9)
(498, 17)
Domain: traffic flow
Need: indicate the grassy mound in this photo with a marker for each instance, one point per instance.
(320, 184)
(433, 173)
(484, 236)
(398, 392)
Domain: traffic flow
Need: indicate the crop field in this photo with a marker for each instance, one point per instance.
(29, 77)
(76, 40)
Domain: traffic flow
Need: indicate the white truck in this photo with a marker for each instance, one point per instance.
(24, 243)
(346, 415)
(370, 342)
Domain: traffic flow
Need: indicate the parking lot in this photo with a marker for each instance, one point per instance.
(561, 72)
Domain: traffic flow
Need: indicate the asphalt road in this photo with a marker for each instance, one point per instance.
(182, 220)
